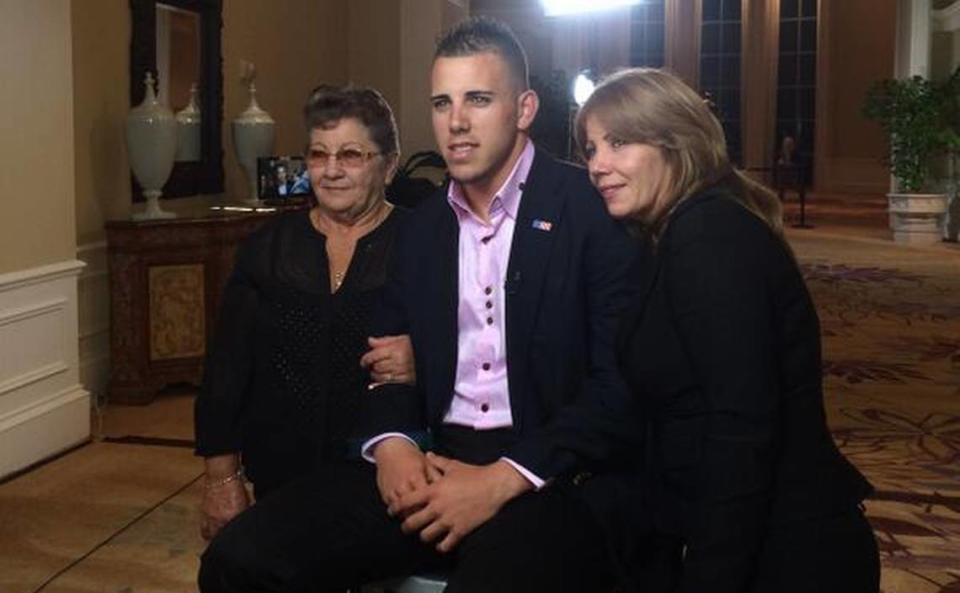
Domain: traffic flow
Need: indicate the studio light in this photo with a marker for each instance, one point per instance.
(567, 7)
(582, 88)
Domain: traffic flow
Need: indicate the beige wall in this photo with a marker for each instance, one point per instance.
(416, 57)
(295, 45)
(374, 46)
(36, 143)
(391, 46)
(421, 21)
(101, 48)
(854, 52)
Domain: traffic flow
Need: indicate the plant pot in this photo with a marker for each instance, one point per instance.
(917, 219)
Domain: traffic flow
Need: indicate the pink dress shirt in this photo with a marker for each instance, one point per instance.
(481, 394)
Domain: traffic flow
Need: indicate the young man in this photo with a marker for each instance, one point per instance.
(509, 285)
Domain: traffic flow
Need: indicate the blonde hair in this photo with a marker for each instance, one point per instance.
(653, 107)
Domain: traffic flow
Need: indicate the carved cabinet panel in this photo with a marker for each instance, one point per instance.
(166, 280)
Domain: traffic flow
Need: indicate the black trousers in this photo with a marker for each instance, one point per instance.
(831, 554)
(329, 531)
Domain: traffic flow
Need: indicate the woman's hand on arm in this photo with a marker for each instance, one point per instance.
(224, 493)
(390, 360)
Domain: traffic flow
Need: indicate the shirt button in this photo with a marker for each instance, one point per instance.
(486, 366)
(489, 305)
(488, 290)
(489, 320)
(485, 408)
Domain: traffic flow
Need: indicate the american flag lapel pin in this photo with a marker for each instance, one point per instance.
(542, 225)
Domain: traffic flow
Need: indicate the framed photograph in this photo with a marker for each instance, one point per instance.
(282, 177)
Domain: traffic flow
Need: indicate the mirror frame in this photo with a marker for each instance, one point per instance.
(198, 177)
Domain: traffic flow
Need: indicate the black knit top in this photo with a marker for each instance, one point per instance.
(282, 379)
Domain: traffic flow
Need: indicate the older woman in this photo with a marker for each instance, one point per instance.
(722, 349)
(282, 377)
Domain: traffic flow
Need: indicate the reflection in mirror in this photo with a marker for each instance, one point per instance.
(178, 70)
(178, 54)
(179, 42)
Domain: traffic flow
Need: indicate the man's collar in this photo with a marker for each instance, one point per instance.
(508, 196)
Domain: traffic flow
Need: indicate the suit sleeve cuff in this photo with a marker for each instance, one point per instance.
(366, 450)
(531, 477)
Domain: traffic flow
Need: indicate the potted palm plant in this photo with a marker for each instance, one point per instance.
(916, 114)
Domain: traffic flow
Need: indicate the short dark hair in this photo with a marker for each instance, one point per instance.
(482, 34)
(328, 104)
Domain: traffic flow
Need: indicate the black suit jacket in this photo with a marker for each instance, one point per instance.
(564, 292)
(722, 348)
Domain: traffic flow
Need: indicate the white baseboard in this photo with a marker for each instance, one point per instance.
(43, 407)
(43, 429)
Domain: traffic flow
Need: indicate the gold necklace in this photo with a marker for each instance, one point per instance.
(379, 217)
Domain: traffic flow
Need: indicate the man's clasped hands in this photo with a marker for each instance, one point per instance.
(441, 498)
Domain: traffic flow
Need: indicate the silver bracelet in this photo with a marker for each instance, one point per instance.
(237, 475)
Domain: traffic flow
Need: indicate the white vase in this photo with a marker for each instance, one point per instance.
(151, 146)
(188, 129)
(253, 133)
(917, 219)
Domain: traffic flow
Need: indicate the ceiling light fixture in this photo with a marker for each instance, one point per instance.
(568, 7)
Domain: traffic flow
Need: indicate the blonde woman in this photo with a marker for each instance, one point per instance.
(722, 349)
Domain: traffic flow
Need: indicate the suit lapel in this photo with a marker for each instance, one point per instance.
(446, 306)
(537, 225)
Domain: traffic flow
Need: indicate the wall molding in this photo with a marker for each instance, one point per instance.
(24, 278)
(35, 310)
(34, 409)
(38, 374)
(44, 429)
(43, 408)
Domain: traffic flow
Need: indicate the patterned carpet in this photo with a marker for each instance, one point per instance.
(890, 320)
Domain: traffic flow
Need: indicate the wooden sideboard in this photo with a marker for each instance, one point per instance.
(166, 282)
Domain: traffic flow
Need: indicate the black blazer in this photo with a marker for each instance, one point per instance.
(564, 291)
(722, 348)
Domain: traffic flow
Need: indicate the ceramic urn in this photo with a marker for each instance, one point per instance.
(253, 134)
(188, 129)
(151, 146)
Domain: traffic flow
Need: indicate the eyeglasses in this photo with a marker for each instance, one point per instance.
(345, 157)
